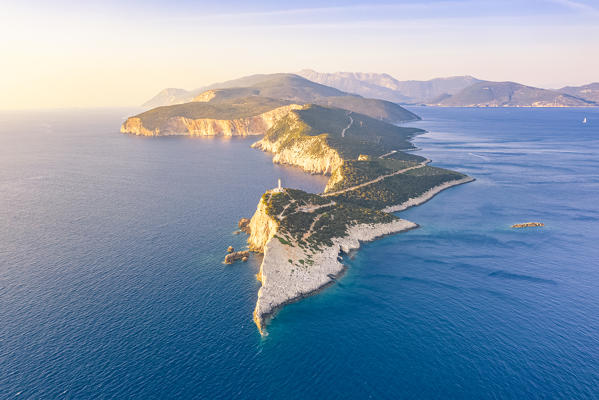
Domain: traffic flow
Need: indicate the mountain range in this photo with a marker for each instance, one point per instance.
(457, 91)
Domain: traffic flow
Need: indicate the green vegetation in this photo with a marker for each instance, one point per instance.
(318, 129)
(398, 188)
(294, 88)
(311, 220)
(297, 89)
(365, 135)
(356, 172)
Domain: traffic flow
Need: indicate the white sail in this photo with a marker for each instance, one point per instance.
(584, 121)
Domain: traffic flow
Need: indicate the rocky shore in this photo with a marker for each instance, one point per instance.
(236, 256)
(282, 285)
(426, 196)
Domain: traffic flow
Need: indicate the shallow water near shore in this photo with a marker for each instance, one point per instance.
(112, 283)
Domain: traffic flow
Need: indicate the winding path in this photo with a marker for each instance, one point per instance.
(388, 154)
(351, 121)
(378, 179)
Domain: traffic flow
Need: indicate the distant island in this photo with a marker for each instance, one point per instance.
(456, 91)
(322, 130)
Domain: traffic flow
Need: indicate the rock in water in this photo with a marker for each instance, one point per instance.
(237, 255)
(244, 225)
(528, 225)
(230, 249)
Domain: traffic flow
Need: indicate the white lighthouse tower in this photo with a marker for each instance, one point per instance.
(278, 189)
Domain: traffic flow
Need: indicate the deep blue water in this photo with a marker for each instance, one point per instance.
(111, 282)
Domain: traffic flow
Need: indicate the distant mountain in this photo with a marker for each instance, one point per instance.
(291, 88)
(425, 91)
(510, 94)
(380, 86)
(384, 86)
(588, 92)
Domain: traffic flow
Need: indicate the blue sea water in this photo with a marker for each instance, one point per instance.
(112, 286)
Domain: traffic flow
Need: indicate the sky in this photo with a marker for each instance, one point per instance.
(120, 53)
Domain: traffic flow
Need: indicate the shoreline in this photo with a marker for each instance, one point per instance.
(276, 282)
(426, 196)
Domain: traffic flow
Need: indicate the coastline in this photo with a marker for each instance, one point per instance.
(426, 196)
(281, 286)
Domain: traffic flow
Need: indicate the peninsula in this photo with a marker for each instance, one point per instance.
(323, 131)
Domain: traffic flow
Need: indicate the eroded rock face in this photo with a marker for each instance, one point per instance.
(254, 125)
(336, 177)
(133, 125)
(284, 280)
(244, 225)
(299, 156)
(262, 228)
(311, 153)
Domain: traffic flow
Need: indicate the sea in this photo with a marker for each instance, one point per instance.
(112, 284)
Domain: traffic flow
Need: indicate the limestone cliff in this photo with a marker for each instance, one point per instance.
(290, 146)
(336, 177)
(285, 280)
(262, 228)
(179, 125)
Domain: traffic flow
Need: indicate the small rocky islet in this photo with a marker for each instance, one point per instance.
(323, 131)
(528, 225)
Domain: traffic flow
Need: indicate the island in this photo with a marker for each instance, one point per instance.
(349, 138)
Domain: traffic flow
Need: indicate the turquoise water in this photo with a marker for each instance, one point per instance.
(111, 282)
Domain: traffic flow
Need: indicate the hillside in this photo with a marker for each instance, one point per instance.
(319, 139)
(300, 90)
(293, 88)
(588, 92)
(510, 94)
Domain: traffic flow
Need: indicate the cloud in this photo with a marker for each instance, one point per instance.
(577, 6)
(330, 11)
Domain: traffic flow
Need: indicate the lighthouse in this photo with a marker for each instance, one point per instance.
(278, 189)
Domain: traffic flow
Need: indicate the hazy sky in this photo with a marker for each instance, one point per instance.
(112, 53)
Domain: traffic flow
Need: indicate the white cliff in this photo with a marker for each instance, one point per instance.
(284, 279)
(178, 125)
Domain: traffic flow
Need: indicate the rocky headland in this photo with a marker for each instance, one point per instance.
(303, 235)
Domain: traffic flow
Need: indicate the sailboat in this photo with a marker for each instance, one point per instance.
(584, 121)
